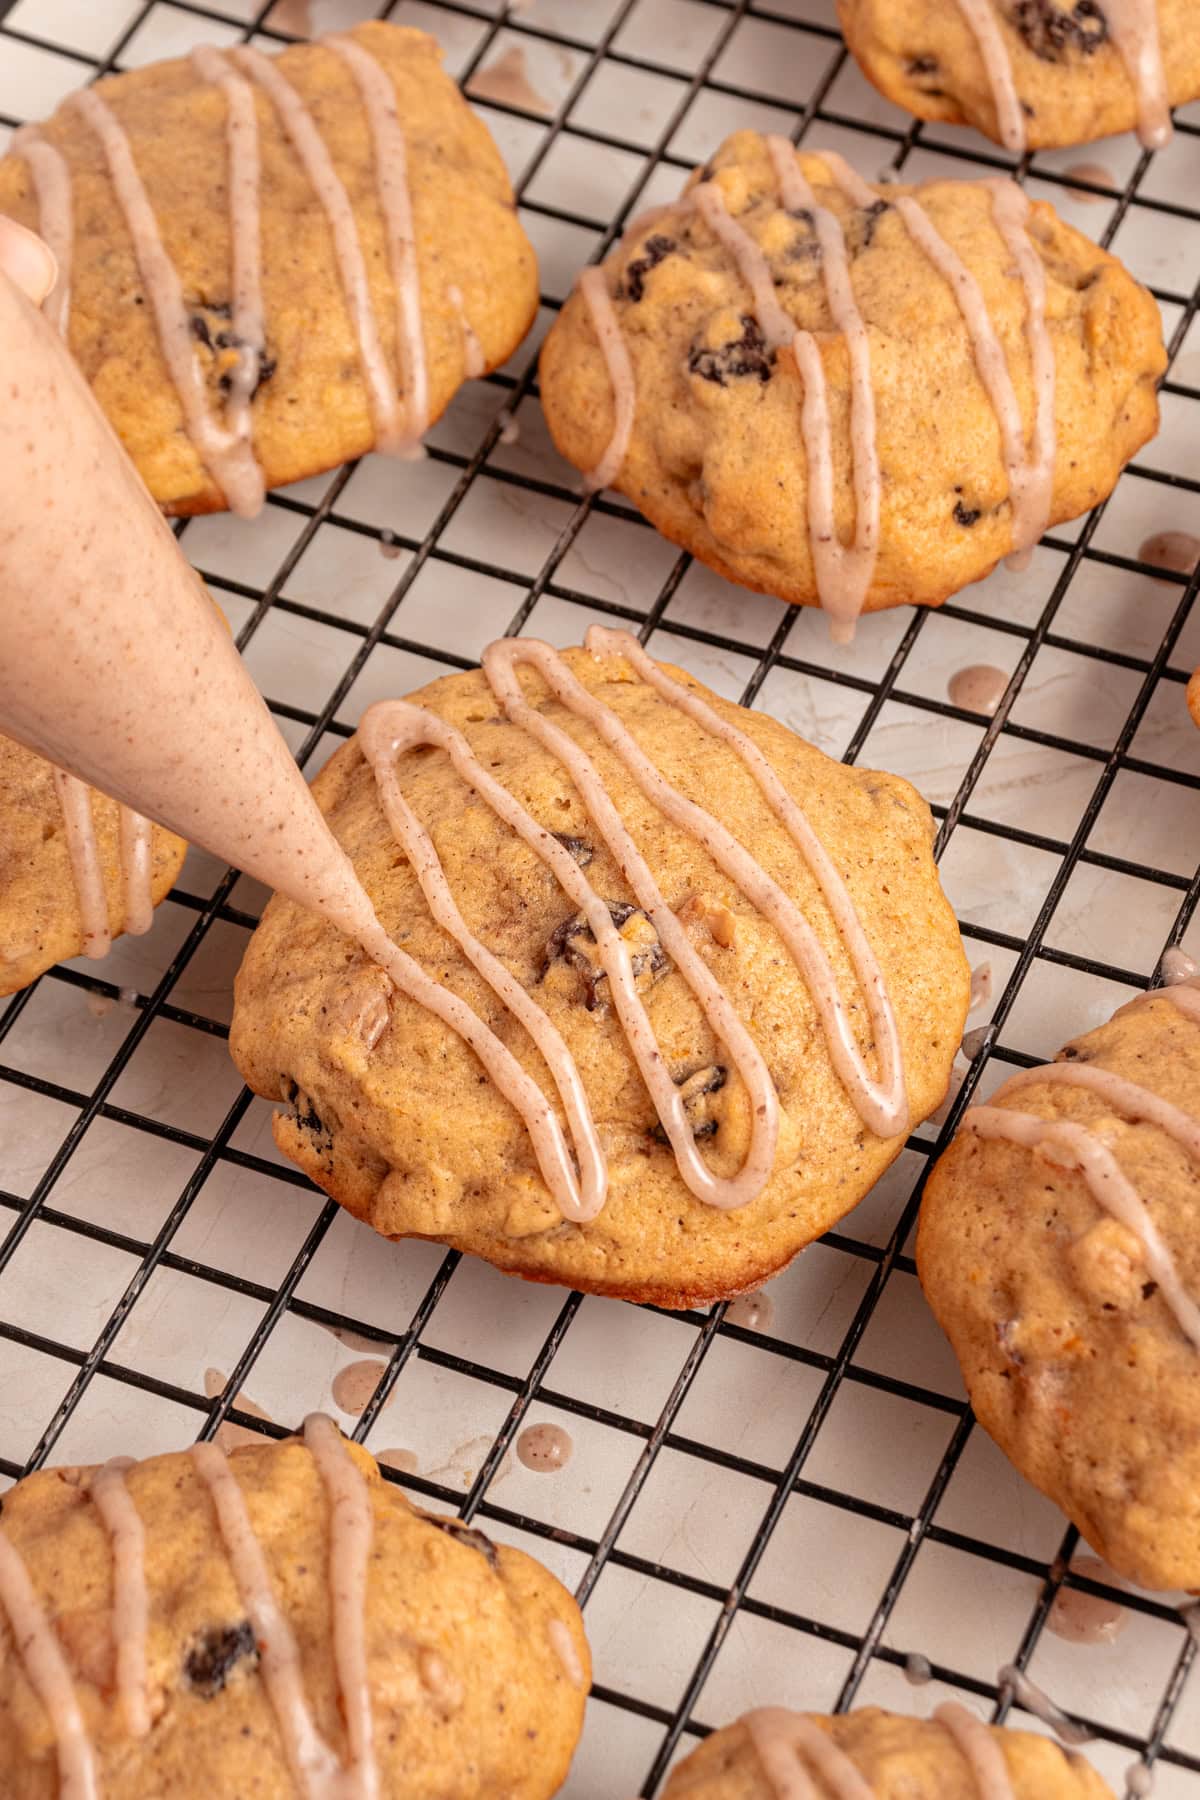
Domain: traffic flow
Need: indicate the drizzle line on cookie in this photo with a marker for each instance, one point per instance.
(392, 726)
(789, 1745)
(52, 190)
(1133, 28)
(46, 1670)
(395, 199)
(843, 574)
(229, 458)
(130, 1610)
(314, 1766)
(1077, 1147)
(52, 186)
(351, 1530)
(981, 1749)
(386, 730)
(245, 231)
(1030, 472)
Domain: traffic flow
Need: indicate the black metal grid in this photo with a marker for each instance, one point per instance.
(698, 1332)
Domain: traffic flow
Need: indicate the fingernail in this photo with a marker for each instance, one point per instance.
(26, 260)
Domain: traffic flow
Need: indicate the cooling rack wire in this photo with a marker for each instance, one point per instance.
(782, 1503)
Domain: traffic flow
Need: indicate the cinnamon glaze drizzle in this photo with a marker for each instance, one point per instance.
(225, 445)
(844, 572)
(1082, 1150)
(803, 1762)
(391, 727)
(317, 1771)
(52, 188)
(1133, 27)
(315, 1768)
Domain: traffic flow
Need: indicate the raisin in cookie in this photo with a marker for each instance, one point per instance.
(953, 1756)
(1032, 74)
(275, 1622)
(268, 265)
(658, 1052)
(857, 396)
(1059, 1246)
(76, 869)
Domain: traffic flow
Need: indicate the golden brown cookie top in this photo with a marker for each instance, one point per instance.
(928, 375)
(249, 300)
(200, 1623)
(1059, 1246)
(1032, 74)
(727, 1009)
(76, 869)
(950, 1757)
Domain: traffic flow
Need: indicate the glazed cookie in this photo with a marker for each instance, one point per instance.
(777, 1755)
(1059, 1246)
(1031, 74)
(268, 265)
(76, 869)
(857, 396)
(277, 1622)
(736, 1039)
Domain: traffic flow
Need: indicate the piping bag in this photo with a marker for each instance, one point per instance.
(114, 662)
(116, 666)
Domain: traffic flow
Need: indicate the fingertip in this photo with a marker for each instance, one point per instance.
(26, 260)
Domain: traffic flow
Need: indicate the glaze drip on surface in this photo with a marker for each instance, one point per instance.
(391, 727)
(1133, 28)
(1077, 1147)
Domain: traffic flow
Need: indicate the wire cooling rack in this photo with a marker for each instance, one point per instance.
(772, 1504)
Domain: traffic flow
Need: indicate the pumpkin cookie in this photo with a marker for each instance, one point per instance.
(275, 1622)
(852, 395)
(694, 980)
(1059, 1246)
(252, 300)
(1032, 74)
(953, 1756)
(76, 869)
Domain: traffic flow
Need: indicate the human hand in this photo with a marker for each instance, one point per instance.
(26, 260)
